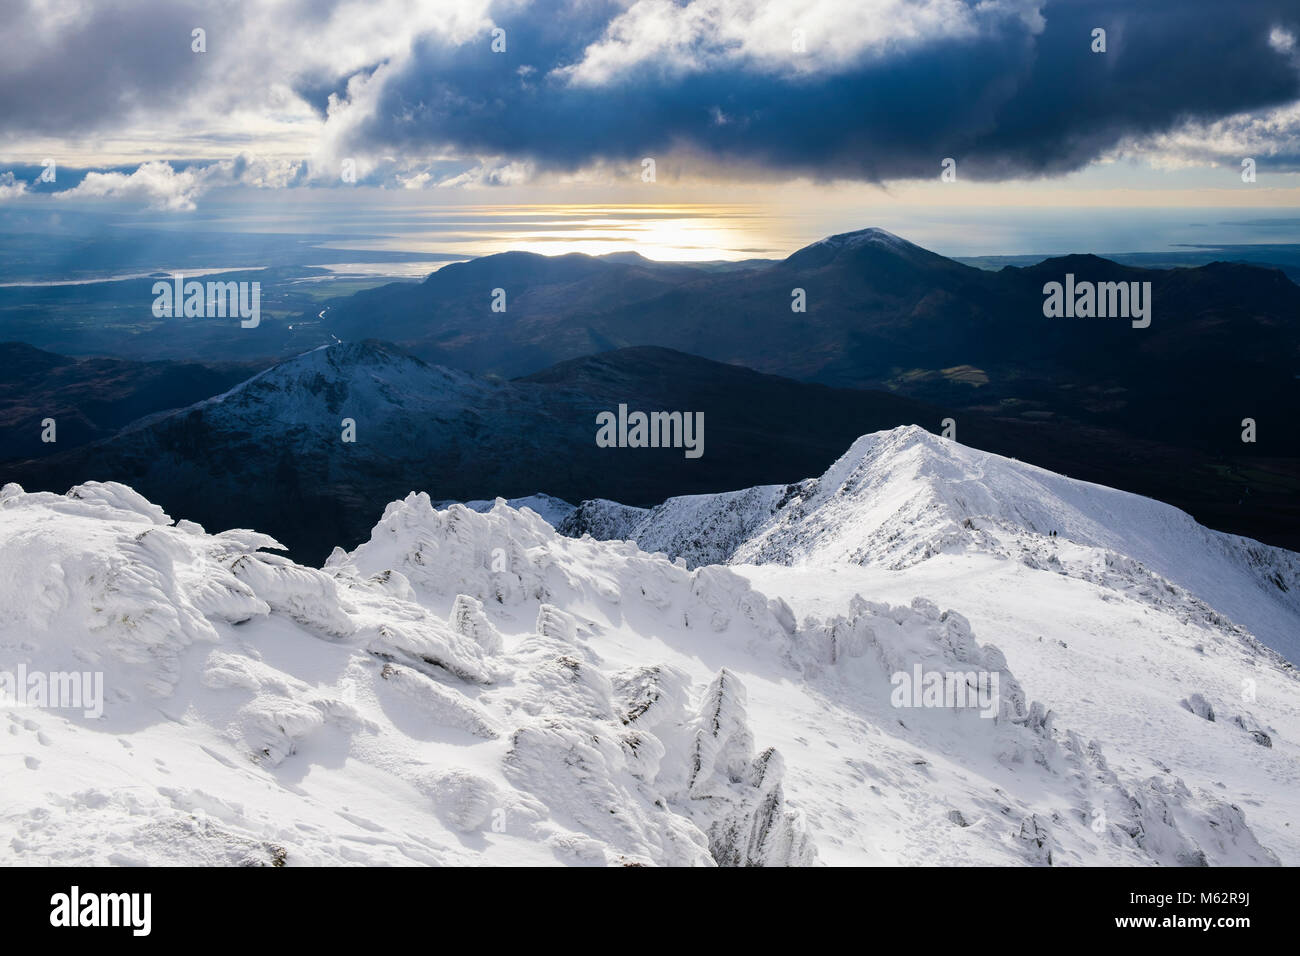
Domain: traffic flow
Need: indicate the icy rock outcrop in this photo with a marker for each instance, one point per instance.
(103, 562)
(1199, 706)
(469, 620)
(1253, 727)
(576, 767)
(305, 595)
(648, 696)
(444, 706)
(1036, 840)
(1160, 819)
(603, 520)
(738, 794)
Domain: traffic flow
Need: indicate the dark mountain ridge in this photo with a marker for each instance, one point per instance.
(885, 313)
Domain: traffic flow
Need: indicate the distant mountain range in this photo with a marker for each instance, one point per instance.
(882, 312)
(1158, 410)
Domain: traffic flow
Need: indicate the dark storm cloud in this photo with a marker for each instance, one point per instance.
(1004, 103)
(1005, 100)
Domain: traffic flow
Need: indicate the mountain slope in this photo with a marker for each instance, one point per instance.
(90, 399)
(472, 687)
(902, 497)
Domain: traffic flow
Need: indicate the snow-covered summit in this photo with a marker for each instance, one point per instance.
(903, 496)
(878, 246)
(872, 235)
(364, 375)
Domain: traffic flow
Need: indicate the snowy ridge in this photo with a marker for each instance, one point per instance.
(474, 687)
(701, 529)
(901, 497)
(604, 520)
(551, 509)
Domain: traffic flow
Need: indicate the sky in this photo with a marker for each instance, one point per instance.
(767, 122)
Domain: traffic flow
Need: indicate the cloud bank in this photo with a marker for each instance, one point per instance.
(415, 94)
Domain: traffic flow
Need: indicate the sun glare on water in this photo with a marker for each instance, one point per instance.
(680, 233)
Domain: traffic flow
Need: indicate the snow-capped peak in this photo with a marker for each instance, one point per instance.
(878, 247)
(902, 496)
(872, 235)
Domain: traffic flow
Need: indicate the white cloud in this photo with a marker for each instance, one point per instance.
(496, 173)
(160, 186)
(1272, 133)
(692, 37)
(156, 184)
(11, 187)
(1283, 41)
(244, 89)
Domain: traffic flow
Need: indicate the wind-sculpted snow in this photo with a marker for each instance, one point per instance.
(501, 717)
(471, 687)
(554, 510)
